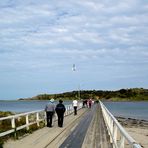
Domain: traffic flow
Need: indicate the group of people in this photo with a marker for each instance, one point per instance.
(88, 103)
(60, 109)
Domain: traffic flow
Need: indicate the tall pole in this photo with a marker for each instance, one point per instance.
(74, 69)
(79, 94)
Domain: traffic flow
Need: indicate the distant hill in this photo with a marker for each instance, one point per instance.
(131, 94)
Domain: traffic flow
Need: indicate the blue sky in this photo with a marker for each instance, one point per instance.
(40, 40)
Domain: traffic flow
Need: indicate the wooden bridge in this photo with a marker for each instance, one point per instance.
(91, 128)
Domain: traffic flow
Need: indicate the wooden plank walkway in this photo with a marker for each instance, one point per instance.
(90, 132)
(76, 138)
(86, 130)
(97, 136)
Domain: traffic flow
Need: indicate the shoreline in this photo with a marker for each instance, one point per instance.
(132, 122)
(136, 128)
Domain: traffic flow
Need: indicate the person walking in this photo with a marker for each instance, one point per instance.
(60, 110)
(75, 105)
(50, 110)
(90, 103)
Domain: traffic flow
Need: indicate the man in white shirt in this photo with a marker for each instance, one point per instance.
(75, 105)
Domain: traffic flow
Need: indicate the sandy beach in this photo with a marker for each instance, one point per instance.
(137, 129)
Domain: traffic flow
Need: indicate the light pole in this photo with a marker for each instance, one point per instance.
(79, 94)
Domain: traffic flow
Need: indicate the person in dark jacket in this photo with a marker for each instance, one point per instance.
(50, 110)
(60, 109)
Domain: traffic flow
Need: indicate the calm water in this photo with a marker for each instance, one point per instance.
(137, 110)
(25, 106)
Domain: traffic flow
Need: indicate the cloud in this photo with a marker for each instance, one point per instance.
(97, 35)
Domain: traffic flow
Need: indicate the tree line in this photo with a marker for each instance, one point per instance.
(130, 94)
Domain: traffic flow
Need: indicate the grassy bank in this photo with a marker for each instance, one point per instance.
(5, 125)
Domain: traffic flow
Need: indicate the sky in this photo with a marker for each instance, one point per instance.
(40, 40)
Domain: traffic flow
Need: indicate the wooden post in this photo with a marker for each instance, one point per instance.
(68, 110)
(27, 122)
(45, 118)
(121, 144)
(37, 119)
(14, 127)
(115, 134)
(13, 122)
(111, 130)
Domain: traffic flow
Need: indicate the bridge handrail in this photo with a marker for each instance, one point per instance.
(114, 128)
(19, 115)
(38, 119)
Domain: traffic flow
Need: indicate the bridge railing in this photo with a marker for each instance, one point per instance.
(33, 117)
(118, 135)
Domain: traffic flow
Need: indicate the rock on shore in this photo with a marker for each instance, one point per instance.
(129, 122)
(137, 129)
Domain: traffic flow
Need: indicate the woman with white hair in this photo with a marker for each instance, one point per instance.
(50, 110)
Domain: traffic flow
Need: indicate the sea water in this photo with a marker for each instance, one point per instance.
(136, 110)
(25, 106)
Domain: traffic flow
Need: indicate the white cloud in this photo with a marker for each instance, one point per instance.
(38, 35)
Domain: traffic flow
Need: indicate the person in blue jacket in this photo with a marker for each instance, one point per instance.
(60, 110)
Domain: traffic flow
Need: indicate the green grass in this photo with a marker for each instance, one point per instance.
(137, 98)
